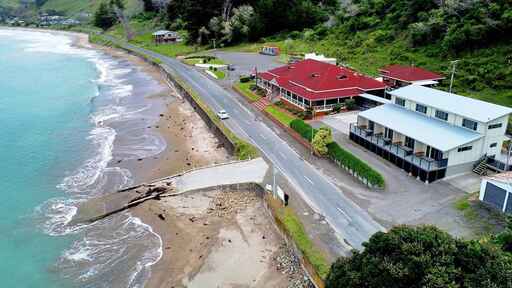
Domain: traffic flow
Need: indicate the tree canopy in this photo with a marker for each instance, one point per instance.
(422, 257)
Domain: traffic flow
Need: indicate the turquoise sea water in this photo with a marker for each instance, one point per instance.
(44, 109)
(54, 156)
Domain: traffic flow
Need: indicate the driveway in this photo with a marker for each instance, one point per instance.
(244, 63)
(341, 122)
(405, 200)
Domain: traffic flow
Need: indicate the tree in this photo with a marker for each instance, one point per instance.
(148, 6)
(104, 17)
(424, 256)
(322, 138)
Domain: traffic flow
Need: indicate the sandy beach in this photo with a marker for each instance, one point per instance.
(210, 239)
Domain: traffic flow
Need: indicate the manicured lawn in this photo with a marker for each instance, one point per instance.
(194, 61)
(281, 115)
(171, 50)
(245, 89)
(219, 74)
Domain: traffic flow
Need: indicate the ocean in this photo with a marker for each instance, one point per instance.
(67, 116)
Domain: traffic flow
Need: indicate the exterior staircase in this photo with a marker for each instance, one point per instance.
(261, 104)
(481, 167)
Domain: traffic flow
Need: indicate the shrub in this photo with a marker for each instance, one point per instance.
(304, 129)
(351, 104)
(244, 79)
(321, 139)
(347, 159)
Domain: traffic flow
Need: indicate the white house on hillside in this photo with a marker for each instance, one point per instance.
(433, 134)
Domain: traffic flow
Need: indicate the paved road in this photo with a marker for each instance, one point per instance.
(352, 223)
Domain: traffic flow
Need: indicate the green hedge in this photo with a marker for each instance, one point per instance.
(355, 164)
(304, 129)
(340, 155)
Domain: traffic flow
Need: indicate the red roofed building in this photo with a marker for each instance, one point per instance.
(397, 76)
(314, 84)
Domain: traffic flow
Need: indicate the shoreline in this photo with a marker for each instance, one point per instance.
(198, 232)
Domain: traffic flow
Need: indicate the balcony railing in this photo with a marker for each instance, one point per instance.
(405, 153)
(499, 165)
(324, 107)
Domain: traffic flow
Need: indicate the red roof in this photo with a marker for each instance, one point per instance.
(315, 80)
(409, 73)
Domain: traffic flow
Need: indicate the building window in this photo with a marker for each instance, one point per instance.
(441, 115)
(470, 124)
(493, 145)
(463, 149)
(409, 142)
(400, 101)
(494, 126)
(422, 109)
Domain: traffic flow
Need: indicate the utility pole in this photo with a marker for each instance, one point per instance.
(454, 64)
(312, 130)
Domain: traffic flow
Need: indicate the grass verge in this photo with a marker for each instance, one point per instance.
(282, 116)
(289, 220)
(245, 90)
(484, 220)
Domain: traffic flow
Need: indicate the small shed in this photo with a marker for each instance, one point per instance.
(270, 50)
(496, 191)
(165, 36)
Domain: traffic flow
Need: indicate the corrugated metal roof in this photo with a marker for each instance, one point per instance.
(318, 80)
(430, 131)
(409, 73)
(464, 106)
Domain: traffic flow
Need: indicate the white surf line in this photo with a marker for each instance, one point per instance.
(309, 180)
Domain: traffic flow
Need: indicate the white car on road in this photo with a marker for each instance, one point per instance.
(223, 115)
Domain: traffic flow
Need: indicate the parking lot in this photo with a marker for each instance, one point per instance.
(244, 63)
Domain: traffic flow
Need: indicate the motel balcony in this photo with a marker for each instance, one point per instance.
(400, 151)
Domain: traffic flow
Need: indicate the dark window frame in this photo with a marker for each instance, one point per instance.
(465, 148)
(469, 124)
(495, 126)
(420, 108)
(493, 145)
(440, 113)
(400, 101)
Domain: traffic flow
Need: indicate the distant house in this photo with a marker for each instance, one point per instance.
(165, 36)
(432, 134)
(311, 84)
(270, 50)
(397, 76)
(496, 191)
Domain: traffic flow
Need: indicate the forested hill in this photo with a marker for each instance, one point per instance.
(368, 34)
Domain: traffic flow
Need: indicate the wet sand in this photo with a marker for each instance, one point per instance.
(210, 239)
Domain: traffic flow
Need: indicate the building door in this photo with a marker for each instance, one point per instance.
(409, 142)
(371, 125)
(494, 195)
(388, 133)
(434, 153)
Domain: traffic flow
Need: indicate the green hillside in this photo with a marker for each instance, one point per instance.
(71, 7)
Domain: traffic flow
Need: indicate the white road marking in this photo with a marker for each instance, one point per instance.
(282, 154)
(309, 180)
(343, 212)
(262, 136)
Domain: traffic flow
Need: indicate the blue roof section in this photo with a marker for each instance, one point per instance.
(464, 106)
(430, 131)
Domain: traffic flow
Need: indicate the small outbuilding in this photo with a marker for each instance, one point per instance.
(396, 76)
(496, 191)
(165, 36)
(270, 50)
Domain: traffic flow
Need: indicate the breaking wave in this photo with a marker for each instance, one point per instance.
(117, 251)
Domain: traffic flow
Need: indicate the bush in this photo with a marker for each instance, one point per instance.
(355, 164)
(425, 256)
(321, 139)
(350, 104)
(304, 129)
(245, 79)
